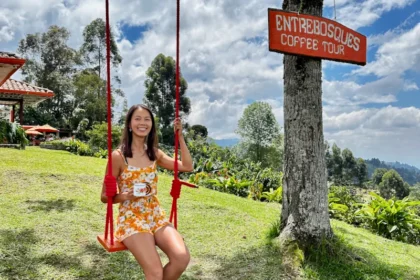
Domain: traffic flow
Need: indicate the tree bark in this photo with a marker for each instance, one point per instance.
(304, 216)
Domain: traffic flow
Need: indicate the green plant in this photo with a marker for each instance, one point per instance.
(393, 219)
(343, 203)
(98, 137)
(264, 180)
(393, 185)
(415, 196)
(274, 230)
(101, 153)
(230, 185)
(273, 195)
(12, 133)
(198, 178)
(336, 209)
(77, 147)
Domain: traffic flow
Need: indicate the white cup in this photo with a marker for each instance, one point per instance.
(141, 189)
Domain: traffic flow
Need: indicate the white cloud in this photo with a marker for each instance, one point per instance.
(225, 58)
(384, 119)
(356, 14)
(380, 39)
(344, 95)
(396, 56)
(390, 133)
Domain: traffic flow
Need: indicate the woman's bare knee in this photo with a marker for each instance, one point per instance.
(181, 260)
(153, 273)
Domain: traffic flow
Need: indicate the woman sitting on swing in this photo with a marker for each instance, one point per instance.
(142, 224)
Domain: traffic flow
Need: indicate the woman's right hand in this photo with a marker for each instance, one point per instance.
(128, 195)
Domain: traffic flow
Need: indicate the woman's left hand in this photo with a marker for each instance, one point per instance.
(178, 126)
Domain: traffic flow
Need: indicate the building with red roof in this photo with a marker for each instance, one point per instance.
(13, 92)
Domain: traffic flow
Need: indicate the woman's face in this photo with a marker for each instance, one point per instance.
(141, 122)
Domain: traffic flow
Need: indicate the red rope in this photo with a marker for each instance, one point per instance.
(176, 184)
(109, 180)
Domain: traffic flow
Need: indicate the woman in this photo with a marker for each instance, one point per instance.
(142, 224)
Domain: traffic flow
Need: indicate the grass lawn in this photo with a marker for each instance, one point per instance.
(51, 213)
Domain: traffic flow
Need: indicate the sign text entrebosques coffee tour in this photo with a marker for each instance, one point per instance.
(307, 35)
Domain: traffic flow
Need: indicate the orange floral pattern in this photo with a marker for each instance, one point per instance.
(143, 214)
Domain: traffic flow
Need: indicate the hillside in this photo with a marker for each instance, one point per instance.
(410, 174)
(51, 214)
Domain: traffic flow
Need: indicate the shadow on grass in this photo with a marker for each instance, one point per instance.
(16, 260)
(346, 262)
(59, 205)
(252, 263)
(19, 259)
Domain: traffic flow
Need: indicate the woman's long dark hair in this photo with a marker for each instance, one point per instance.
(127, 136)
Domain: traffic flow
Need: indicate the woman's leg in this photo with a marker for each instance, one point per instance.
(143, 247)
(171, 243)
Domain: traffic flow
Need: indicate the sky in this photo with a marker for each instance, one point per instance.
(374, 110)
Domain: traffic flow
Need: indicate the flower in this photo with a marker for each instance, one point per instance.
(150, 177)
(142, 177)
(156, 210)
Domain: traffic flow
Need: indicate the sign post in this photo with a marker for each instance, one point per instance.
(306, 40)
(314, 36)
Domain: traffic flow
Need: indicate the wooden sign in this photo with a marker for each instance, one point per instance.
(301, 34)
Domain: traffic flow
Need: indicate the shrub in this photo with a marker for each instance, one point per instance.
(74, 146)
(273, 195)
(343, 203)
(98, 136)
(12, 133)
(230, 185)
(198, 178)
(393, 185)
(392, 219)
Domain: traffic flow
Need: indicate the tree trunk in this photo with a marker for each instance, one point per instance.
(304, 217)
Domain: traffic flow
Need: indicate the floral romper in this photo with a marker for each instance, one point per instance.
(142, 214)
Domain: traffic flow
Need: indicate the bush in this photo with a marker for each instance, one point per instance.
(273, 195)
(392, 219)
(220, 169)
(393, 185)
(343, 203)
(415, 196)
(230, 185)
(98, 136)
(12, 133)
(74, 146)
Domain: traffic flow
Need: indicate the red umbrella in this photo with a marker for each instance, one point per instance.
(46, 128)
(32, 132)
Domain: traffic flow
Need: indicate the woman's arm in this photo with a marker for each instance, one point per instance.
(117, 163)
(186, 163)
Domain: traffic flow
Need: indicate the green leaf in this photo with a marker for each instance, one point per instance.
(393, 229)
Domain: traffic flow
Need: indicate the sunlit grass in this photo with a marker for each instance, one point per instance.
(51, 213)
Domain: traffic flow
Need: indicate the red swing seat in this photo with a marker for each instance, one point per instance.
(106, 243)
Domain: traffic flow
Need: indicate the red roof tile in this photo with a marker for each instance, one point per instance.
(8, 55)
(11, 91)
(13, 85)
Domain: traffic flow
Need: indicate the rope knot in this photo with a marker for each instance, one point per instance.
(111, 185)
(176, 189)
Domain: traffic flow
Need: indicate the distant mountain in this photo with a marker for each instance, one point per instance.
(410, 174)
(403, 165)
(226, 142)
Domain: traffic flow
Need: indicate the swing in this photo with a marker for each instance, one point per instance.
(110, 181)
